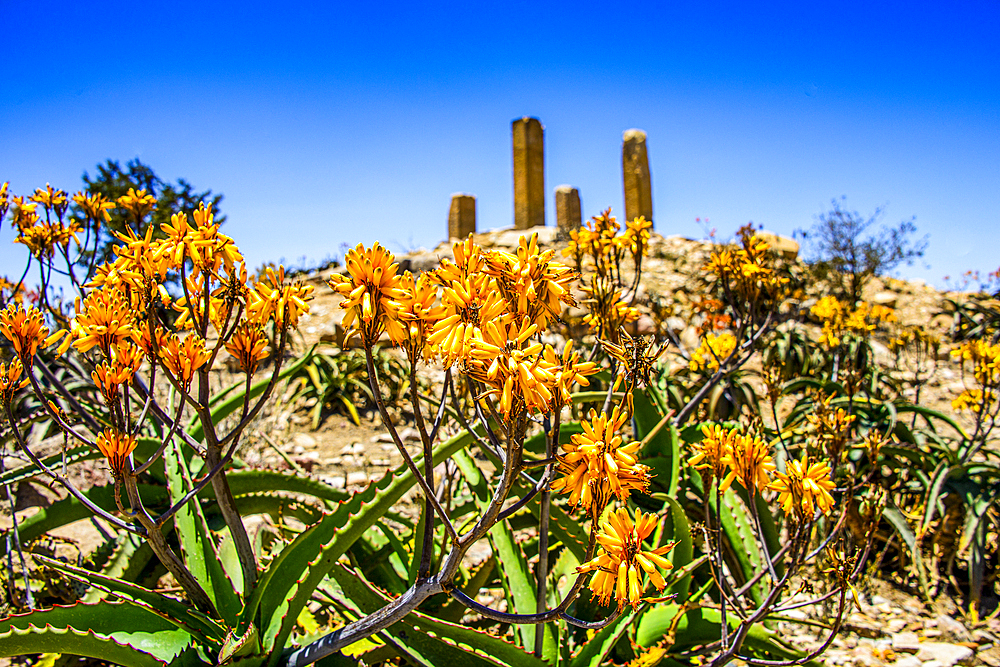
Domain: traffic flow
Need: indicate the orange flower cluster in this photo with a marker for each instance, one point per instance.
(596, 463)
(482, 310)
(623, 561)
(803, 488)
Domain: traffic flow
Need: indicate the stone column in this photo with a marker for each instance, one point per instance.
(635, 173)
(461, 216)
(529, 172)
(568, 216)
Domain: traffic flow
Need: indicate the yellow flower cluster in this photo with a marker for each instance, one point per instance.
(714, 348)
(608, 312)
(729, 455)
(621, 565)
(597, 463)
(975, 400)
(984, 359)
(483, 310)
(42, 237)
(804, 488)
(838, 318)
(118, 314)
(600, 241)
(10, 380)
(25, 329)
(746, 270)
(116, 447)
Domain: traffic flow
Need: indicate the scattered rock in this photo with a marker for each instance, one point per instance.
(887, 299)
(944, 654)
(906, 642)
(304, 440)
(357, 478)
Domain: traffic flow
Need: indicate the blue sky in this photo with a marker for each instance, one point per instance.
(353, 122)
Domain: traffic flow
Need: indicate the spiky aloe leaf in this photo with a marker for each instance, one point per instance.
(202, 556)
(278, 598)
(243, 482)
(593, 653)
(518, 584)
(233, 398)
(87, 644)
(148, 639)
(66, 511)
(180, 614)
(433, 641)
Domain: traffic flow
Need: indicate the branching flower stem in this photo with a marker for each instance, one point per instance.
(428, 492)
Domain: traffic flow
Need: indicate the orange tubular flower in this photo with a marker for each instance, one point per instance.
(106, 318)
(9, 376)
(531, 283)
(805, 487)
(371, 290)
(418, 314)
(183, 359)
(94, 205)
(520, 376)
(272, 297)
(138, 204)
(25, 329)
(116, 447)
(749, 462)
(598, 455)
(713, 451)
(569, 371)
(109, 376)
(622, 562)
(247, 345)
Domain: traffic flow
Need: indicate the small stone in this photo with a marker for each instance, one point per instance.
(304, 440)
(951, 629)
(945, 654)
(356, 478)
(896, 625)
(907, 660)
(878, 599)
(907, 642)
(298, 449)
(887, 299)
(337, 481)
(409, 435)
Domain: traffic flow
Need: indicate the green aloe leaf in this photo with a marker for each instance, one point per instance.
(518, 582)
(178, 613)
(148, 636)
(902, 527)
(66, 511)
(197, 542)
(600, 645)
(311, 555)
(242, 482)
(83, 643)
(434, 641)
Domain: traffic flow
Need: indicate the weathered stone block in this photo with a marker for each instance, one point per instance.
(461, 216)
(568, 214)
(635, 175)
(527, 136)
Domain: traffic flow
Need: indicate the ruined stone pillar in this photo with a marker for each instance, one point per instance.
(529, 172)
(635, 173)
(568, 216)
(461, 216)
